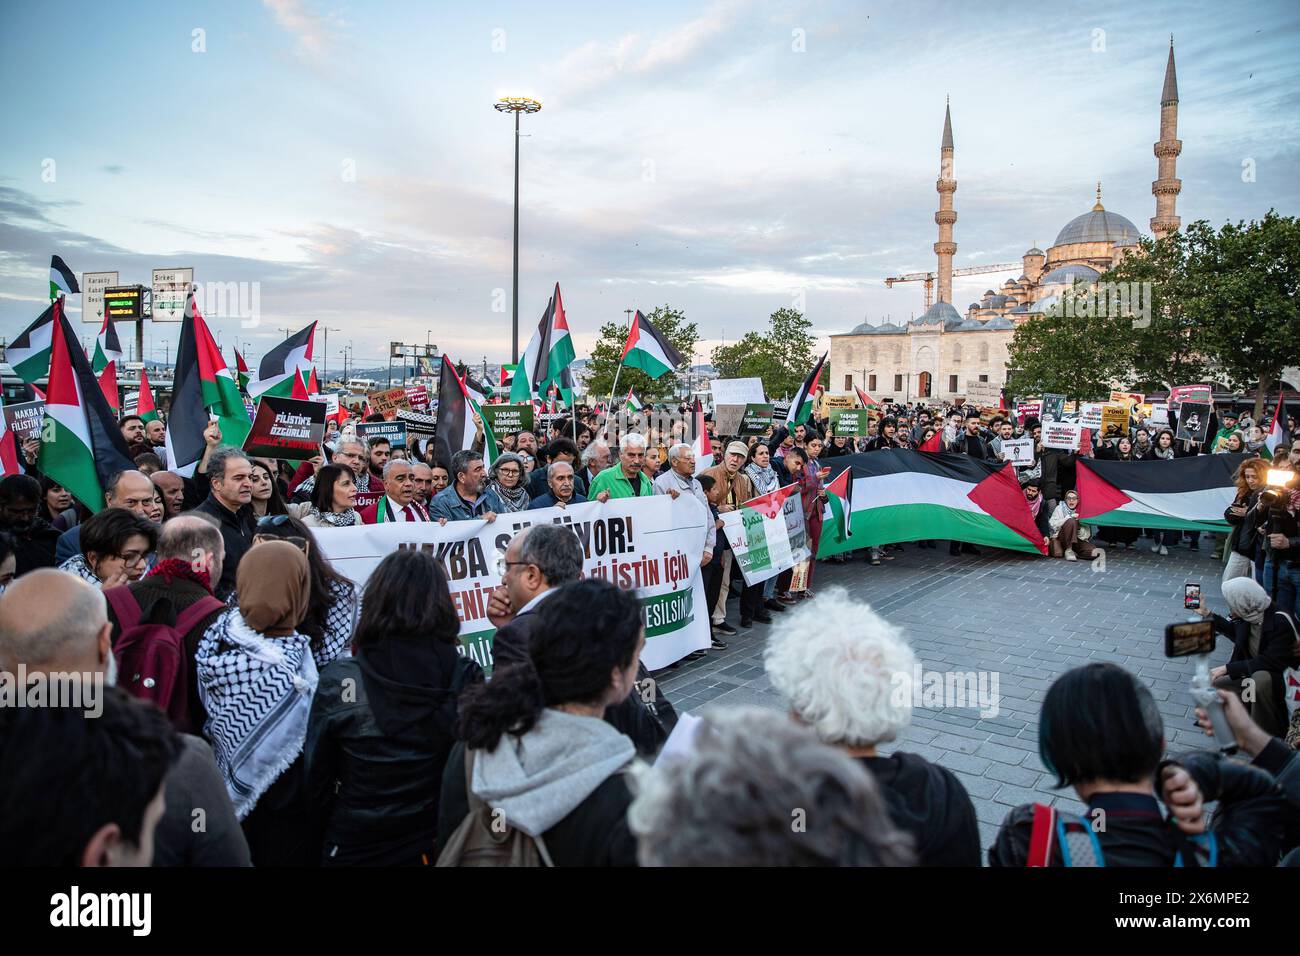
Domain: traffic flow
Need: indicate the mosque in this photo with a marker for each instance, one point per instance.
(945, 355)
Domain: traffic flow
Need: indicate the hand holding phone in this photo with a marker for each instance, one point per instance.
(1191, 596)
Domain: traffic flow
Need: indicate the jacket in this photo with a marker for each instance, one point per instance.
(929, 803)
(972, 445)
(1276, 645)
(450, 505)
(377, 775)
(194, 782)
(538, 487)
(1056, 464)
(618, 485)
(37, 546)
(727, 490)
(548, 501)
(237, 534)
(1248, 826)
(1244, 538)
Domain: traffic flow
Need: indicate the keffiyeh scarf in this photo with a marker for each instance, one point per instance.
(257, 692)
(336, 519)
(77, 565)
(514, 499)
(765, 480)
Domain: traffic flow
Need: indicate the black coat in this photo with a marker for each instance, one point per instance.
(1244, 539)
(1276, 645)
(973, 445)
(34, 546)
(929, 803)
(237, 535)
(595, 833)
(375, 776)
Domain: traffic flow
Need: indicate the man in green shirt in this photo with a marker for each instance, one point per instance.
(1228, 420)
(624, 479)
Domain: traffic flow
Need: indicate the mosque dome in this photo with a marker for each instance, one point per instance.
(1070, 274)
(1098, 225)
(938, 314)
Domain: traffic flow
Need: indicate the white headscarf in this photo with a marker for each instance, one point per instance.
(1246, 599)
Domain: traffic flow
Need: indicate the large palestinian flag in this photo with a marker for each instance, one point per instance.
(458, 401)
(81, 445)
(900, 495)
(280, 366)
(1187, 494)
(549, 353)
(648, 349)
(29, 353)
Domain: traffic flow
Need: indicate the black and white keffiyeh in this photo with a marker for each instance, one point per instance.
(340, 622)
(257, 692)
(77, 565)
(335, 519)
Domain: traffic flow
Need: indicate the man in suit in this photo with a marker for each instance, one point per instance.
(398, 503)
(537, 560)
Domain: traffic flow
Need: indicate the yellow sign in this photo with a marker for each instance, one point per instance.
(1114, 421)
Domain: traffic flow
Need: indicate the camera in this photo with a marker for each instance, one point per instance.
(1197, 638)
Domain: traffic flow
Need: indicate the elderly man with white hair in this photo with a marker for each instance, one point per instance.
(848, 674)
(680, 479)
(625, 479)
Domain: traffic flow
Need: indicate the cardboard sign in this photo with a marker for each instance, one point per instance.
(1018, 451)
(25, 419)
(389, 401)
(1090, 415)
(1053, 407)
(1026, 410)
(1062, 435)
(509, 419)
(756, 421)
(1127, 398)
(1114, 421)
(1193, 421)
(1159, 414)
(849, 422)
(737, 391)
(288, 428)
(727, 419)
(395, 432)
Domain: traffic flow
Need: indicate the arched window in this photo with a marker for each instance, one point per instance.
(984, 351)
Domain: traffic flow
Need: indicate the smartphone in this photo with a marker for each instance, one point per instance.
(1189, 637)
(1191, 596)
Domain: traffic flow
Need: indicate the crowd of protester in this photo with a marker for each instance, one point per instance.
(318, 724)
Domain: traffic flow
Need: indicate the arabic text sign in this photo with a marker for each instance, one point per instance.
(767, 535)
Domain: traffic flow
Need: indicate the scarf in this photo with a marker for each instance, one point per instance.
(1036, 506)
(765, 480)
(1165, 453)
(257, 692)
(336, 519)
(171, 568)
(514, 499)
(274, 587)
(77, 565)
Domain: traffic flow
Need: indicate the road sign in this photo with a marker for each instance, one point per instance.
(170, 289)
(93, 285)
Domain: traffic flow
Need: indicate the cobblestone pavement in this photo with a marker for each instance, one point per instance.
(1028, 619)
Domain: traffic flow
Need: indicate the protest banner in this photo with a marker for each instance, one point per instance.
(1053, 407)
(395, 432)
(766, 534)
(737, 391)
(984, 393)
(1090, 415)
(1127, 399)
(849, 422)
(418, 396)
(1062, 435)
(756, 421)
(1193, 421)
(387, 402)
(1018, 451)
(727, 419)
(289, 428)
(1114, 421)
(509, 419)
(24, 419)
(1200, 394)
(1029, 410)
(648, 544)
(1159, 414)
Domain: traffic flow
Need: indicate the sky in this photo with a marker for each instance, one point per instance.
(727, 159)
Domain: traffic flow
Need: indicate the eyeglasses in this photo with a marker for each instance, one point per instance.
(503, 565)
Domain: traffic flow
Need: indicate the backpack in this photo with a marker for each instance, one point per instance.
(151, 657)
(1080, 847)
(485, 839)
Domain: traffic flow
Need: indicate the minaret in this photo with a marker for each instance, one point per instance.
(946, 215)
(1167, 187)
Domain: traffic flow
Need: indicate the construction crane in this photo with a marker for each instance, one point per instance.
(929, 277)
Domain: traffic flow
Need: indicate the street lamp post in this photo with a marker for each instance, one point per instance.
(325, 366)
(516, 105)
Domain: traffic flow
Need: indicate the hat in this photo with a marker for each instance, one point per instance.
(738, 448)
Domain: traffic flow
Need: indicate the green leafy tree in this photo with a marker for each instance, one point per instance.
(1080, 356)
(1244, 297)
(782, 357)
(608, 352)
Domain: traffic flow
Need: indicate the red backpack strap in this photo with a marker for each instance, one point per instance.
(125, 607)
(1042, 836)
(190, 617)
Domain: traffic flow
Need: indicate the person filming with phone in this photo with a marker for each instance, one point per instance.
(1265, 643)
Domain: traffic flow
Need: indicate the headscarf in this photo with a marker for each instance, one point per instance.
(516, 498)
(274, 587)
(1246, 599)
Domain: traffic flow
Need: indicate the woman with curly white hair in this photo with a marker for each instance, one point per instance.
(848, 674)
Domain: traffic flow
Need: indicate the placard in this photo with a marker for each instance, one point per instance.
(1193, 421)
(508, 419)
(1025, 410)
(389, 401)
(1062, 435)
(289, 428)
(93, 285)
(171, 288)
(983, 393)
(767, 535)
(395, 432)
(756, 421)
(1114, 421)
(737, 391)
(1018, 451)
(727, 419)
(419, 397)
(1054, 408)
(1090, 415)
(780, 410)
(1159, 414)
(25, 419)
(849, 422)
(1190, 393)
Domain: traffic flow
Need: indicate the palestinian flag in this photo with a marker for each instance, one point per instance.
(108, 352)
(1277, 434)
(648, 350)
(507, 375)
(934, 444)
(633, 404)
(299, 390)
(458, 400)
(81, 445)
(280, 366)
(8, 447)
(145, 406)
(867, 401)
(202, 386)
(241, 371)
(29, 353)
(565, 385)
(1178, 494)
(701, 447)
(313, 383)
(802, 405)
(549, 353)
(61, 278)
(903, 495)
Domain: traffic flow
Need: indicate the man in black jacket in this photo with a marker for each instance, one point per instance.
(35, 538)
(229, 502)
(969, 442)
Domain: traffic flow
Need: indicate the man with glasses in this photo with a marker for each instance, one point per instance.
(398, 503)
(624, 480)
(132, 490)
(229, 503)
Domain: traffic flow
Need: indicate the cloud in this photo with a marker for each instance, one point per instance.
(313, 33)
(114, 169)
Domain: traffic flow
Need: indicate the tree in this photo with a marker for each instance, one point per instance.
(608, 353)
(782, 357)
(1244, 296)
(1079, 356)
